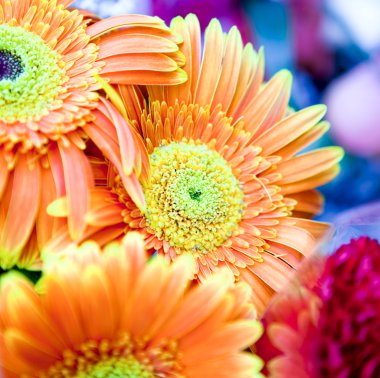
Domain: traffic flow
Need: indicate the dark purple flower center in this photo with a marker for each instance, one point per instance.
(11, 66)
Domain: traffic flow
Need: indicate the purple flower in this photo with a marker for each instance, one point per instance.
(229, 13)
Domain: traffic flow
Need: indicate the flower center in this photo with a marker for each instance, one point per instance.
(195, 194)
(194, 201)
(10, 66)
(120, 357)
(127, 367)
(30, 75)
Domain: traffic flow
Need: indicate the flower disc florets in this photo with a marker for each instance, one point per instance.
(32, 78)
(127, 367)
(194, 201)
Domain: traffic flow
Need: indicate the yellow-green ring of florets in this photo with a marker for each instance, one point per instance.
(31, 93)
(194, 201)
(117, 367)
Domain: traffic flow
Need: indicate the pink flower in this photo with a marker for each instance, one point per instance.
(333, 329)
(353, 103)
(349, 322)
(312, 52)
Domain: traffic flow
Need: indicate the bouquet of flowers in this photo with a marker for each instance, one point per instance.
(155, 195)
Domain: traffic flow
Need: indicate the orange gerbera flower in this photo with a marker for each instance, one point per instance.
(112, 315)
(49, 60)
(216, 160)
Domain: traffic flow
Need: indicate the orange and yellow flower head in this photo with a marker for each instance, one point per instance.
(115, 313)
(212, 167)
(49, 62)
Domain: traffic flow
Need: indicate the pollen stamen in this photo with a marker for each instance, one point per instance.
(194, 201)
(122, 357)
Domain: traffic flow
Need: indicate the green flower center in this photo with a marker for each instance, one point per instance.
(31, 75)
(194, 201)
(125, 367)
(195, 194)
(10, 66)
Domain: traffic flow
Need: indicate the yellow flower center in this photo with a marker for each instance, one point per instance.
(126, 367)
(30, 75)
(194, 201)
(123, 356)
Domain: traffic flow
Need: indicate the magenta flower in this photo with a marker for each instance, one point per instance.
(312, 52)
(333, 329)
(349, 322)
(229, 13)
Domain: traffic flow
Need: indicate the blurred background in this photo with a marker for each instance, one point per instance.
(332, 47)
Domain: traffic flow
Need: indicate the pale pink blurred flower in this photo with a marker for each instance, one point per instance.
(353, 101)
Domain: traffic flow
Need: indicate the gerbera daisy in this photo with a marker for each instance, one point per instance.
(216, 161)
(111, 314)
(49, 60)
(333, 329)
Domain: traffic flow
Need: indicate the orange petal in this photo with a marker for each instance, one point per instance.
(133, 101)
(181, 92)
(304, 140)
(317, 229)
(269, 105)
(309, 164)
(134, 44)
(239, 365)
(196, 307)
(125, 139)
(21, 299)
(240, 335)
(261, 292)
(251, 76)
(158, 30)
(107, 215)
(297, 238)
(4, 173)
(229, 74)
(275, 272)
(97, 326)
(290, 128)
(194, 29)
(145, 298)
(65, 312)
(312, 182)
(21, 211)
(111, 23)
(181, 273)
(309, 201)
(46, 225)
(28, 349)
(155, 62)
(78, 181)
(147, 77)
(211, 64)
(222, 314)
(134, 189)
